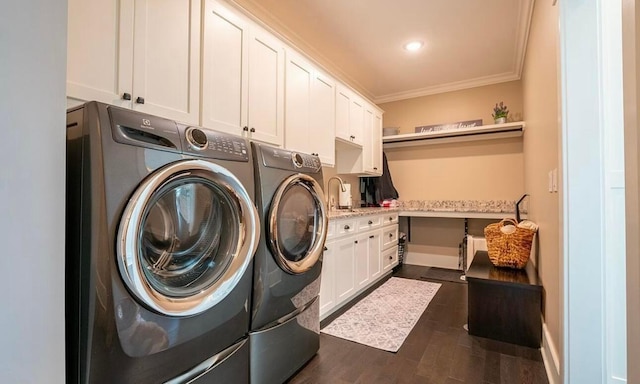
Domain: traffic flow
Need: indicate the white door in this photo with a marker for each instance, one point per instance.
(345, 269)
(343, 108)
(367, 148)
(356, 120)
(100, 54)
(322, 125)
(376, 143)
(224, 69)
(166, 59)
(361, 250)
(327, 285)
(266, 88)
(374, 253)
(298, 103)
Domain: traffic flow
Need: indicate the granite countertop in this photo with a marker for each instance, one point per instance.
(453, 206)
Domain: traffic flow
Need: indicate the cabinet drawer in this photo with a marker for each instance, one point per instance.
(345, 227)
(389, 236)
(390, 218)
(389, 258)
(369, 222)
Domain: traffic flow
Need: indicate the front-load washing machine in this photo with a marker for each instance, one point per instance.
(161, 230)
(285, 325)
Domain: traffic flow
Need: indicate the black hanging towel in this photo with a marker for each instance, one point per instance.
(387, 190)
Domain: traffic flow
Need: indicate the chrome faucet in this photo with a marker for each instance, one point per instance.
(342, 188)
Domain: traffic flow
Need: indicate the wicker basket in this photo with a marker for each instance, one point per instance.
(510, 250)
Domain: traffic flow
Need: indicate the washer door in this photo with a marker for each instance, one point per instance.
(186, 237)
(297, 224)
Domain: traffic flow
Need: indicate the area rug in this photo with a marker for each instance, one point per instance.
(384, 318)
(443, 274)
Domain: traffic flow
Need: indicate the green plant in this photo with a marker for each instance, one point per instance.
(500, 111)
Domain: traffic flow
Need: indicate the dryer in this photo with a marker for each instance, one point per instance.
(285, 325)
(161, 230)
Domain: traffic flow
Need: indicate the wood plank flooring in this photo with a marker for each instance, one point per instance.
(437, 351)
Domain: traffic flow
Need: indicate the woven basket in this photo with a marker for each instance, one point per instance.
(510, 250)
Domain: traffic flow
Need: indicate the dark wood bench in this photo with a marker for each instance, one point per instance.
(504, 304)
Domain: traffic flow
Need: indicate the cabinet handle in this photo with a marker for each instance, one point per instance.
(356, 241)
(391, 235)
(126, 96)
(352, 137)
(246, 129)
(326, 249)
(391, 218)
(375, 168)
(252, 129)
(140, 100)
(347, 227)
(390, 257)
(371, 237)
(370, 222)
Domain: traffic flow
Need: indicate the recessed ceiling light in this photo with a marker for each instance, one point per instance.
(413, 46)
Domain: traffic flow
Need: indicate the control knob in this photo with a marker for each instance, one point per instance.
(196, 138)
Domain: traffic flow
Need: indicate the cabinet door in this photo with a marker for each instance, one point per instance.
(374, 245)
(356, 120)
(166, 60)
(224, 69)
(100, 50)
(322, 125)
(367, 150)
(327, 282)
(343, 108)
(361, 249)
(344, 252)
(266, 88)
(376, 143)
(299, 75)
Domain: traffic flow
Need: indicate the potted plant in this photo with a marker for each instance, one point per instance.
(500, 113)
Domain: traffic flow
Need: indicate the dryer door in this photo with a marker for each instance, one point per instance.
(186, 237)
(297, 224)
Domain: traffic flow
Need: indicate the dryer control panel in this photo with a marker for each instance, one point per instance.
(285, 159)
(214, 145)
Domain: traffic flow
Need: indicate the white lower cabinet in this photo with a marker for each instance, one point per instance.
(344, 270)
(356, 257)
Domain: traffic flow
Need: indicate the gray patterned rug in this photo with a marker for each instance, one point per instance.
(385, 317)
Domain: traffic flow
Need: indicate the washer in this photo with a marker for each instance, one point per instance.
(285, 325)
(160, 237)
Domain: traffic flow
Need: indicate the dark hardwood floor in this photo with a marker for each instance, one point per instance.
(437, 351)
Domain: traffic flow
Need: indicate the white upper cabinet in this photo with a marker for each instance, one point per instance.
(309, 114)
(349, 116)
(243, 77)
(372, 150)
(142, 54)
(322, 133)
(365, 160)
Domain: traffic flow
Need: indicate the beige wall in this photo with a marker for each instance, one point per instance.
(541, 155)
(467, 104)
(482, 170)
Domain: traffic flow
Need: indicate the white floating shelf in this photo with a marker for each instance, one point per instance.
(485, 132)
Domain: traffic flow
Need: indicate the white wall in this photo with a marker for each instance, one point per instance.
(32, 150)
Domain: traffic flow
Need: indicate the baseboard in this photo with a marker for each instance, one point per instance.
(431, 260)
(550, 357)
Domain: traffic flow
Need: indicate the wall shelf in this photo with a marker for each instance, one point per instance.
(485, 132)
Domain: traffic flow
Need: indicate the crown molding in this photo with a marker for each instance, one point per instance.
(449, 87)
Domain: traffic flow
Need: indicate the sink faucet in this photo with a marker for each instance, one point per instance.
(342, 188)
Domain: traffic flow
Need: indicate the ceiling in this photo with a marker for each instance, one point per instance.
(468, 43)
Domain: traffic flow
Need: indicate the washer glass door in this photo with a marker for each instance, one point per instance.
(297, 224)
(186, 237)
